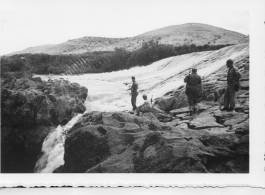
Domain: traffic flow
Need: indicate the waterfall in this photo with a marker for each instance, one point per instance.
(53, 148)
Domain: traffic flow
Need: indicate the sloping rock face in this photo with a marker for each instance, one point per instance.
(214, 86)
(118, 142)
(30, 109)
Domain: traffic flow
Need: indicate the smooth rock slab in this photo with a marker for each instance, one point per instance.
(183, 116)
(214, 131)
(179, 111)
(204, 122)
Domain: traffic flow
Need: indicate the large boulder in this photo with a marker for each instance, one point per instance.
(118, 142)
(26, 103)
(31, 108)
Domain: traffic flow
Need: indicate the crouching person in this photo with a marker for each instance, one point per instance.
(145, 107)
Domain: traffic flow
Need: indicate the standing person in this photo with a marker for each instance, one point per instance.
(134, 93)
(233, 77)
(145, 107)
(193, 89)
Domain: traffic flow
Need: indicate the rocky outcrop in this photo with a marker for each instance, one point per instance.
(118, 142)
(30, 109)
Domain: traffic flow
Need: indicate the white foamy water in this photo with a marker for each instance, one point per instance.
(107, 91)
(52, 148)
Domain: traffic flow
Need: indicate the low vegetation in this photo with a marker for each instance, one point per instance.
(94, 62)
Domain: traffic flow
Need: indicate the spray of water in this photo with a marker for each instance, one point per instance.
(53, 149)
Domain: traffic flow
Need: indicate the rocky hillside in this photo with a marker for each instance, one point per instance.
(167, 141)
(185, 34)
(30, 109)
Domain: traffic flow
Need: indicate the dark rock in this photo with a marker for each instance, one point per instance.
(242, 128)
(137, 145)
(84, 149)
(165, 103)
(228, 149)
(236, 119)
(20, 148)
(28, 115)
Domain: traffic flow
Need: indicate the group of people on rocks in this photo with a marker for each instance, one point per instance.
(194, 91)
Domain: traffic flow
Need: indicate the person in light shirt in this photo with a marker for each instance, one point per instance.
(145, 107)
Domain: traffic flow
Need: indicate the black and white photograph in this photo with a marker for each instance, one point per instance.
(128, 88)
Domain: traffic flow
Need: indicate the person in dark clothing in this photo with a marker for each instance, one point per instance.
(233, 77)
(134, 93)
(193, 89)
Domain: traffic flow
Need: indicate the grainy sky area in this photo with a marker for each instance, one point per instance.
(27, 23)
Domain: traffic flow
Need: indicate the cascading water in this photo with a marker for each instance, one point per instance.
(53, 149)
(108, 91)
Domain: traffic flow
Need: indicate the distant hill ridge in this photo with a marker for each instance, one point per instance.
(184, 34)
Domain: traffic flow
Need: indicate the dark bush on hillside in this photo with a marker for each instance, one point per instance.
(96, 62)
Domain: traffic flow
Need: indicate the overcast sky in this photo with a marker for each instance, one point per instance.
(26, 23)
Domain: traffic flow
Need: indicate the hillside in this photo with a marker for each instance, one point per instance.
(32, 50)
(198, 34)
(191, 33)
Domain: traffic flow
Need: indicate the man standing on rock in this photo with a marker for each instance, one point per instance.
(193, 89)
(233, 77)
(134, 93)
